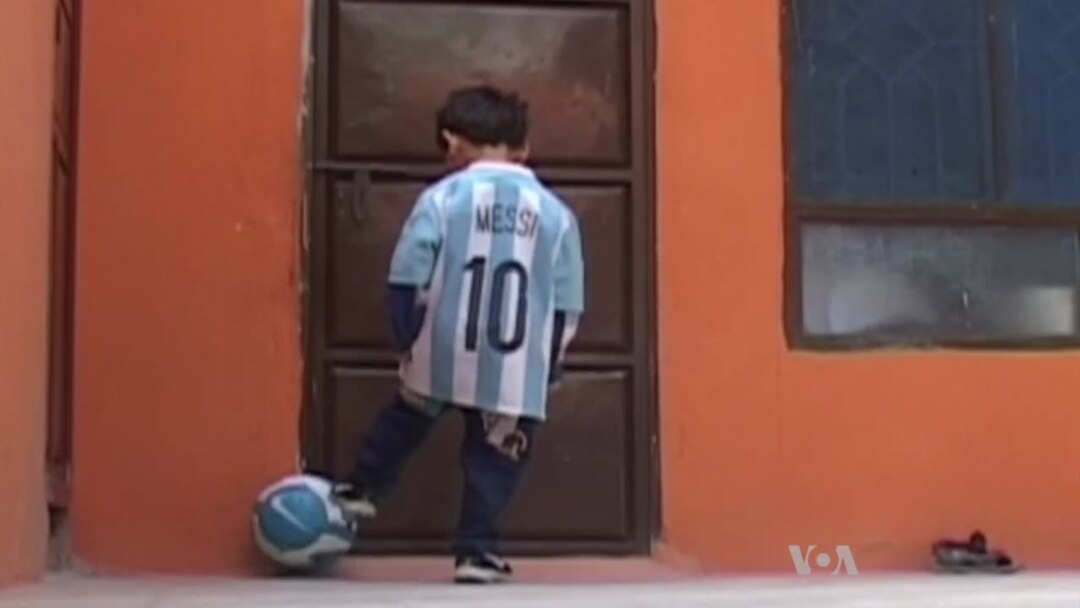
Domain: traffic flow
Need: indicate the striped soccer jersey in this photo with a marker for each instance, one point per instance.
(494, 254)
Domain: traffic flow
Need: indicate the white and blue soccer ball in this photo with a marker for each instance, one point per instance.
(298, 524)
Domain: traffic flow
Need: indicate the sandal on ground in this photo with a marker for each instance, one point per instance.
(971, 557)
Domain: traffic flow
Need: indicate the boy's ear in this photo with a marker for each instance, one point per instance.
(449, 140)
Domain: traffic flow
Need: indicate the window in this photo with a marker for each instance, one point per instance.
(933, 170)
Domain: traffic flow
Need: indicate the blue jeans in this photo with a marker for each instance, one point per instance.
(494, 453)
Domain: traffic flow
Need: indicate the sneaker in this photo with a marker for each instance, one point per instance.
(482, 569)
(354, 501)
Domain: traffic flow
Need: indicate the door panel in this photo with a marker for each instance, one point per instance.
(605, 216)
(577, 482)
(424, 506)
(382, 69)
(397, 60)
(357, 296)
(577, 486)
(364, 226)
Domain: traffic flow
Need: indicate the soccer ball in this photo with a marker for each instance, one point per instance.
(299, 526)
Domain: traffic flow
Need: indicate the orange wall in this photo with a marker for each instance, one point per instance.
(188, 358)
(763, 447)
(187, 348)
(26, 83)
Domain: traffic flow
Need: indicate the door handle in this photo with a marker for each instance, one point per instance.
(353, 196)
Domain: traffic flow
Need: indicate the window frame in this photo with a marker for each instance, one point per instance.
(799, 211)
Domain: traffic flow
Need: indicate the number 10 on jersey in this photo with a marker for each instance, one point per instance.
(496, 337)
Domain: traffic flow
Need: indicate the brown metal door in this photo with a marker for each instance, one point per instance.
(381, 70)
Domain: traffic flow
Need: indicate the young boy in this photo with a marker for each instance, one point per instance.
(485, 290)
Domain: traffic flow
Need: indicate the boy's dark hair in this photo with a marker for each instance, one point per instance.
(485, 116)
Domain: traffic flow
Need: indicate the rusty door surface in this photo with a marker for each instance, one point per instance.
(381, 69)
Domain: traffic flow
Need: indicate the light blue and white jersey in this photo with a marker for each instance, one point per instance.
(494, 254)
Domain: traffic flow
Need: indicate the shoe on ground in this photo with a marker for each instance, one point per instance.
(483, 569)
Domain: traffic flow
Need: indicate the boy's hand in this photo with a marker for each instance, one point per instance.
(555, 379)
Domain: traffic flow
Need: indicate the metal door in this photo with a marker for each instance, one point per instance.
(381, 69)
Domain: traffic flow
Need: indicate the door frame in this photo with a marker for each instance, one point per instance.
(62, 219)
(646, 521)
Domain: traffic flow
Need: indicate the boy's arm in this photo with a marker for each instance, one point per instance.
(569, 295)
(411, 269)
(406, 316)
(563, 333)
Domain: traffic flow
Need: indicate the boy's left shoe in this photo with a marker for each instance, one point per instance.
(354, 501)
(483, 569)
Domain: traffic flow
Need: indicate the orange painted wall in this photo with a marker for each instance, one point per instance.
(26, 89)
(187, 349)
(764, 447)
